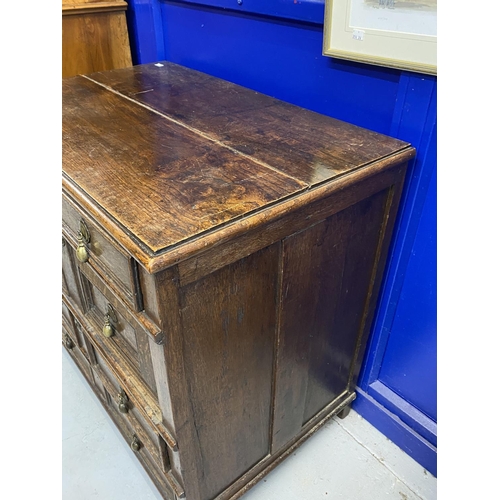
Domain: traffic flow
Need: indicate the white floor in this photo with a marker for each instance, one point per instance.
(345, 460)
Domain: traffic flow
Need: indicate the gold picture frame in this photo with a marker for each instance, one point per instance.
(399, 34)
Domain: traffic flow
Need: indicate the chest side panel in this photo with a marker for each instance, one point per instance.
(229, 323)
(327, 270)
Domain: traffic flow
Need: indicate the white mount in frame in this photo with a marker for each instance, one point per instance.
(395, 33)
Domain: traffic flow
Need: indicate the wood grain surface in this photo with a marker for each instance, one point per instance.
(190, 181)
(306, 145)
(162, 182)
(94, 37)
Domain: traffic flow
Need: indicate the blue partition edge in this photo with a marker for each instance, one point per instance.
(415, 118)
(145, 27)
(396, 430)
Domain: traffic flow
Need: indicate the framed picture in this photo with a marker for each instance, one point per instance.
(396, 33)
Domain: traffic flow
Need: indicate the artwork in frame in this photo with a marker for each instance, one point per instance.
(395, 33)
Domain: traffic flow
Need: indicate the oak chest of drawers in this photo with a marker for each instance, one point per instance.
(222, 256)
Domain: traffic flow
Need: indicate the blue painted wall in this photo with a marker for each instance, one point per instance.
(275, 47)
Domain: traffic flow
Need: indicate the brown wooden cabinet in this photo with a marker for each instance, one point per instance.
(94, 36)
(222, 256)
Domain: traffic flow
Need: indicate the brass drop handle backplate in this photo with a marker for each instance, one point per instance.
(110, 322)
(68, 342)
(135, 444)
(82, 253)
(123, 402)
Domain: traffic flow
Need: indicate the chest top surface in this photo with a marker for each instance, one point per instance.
(170, 154)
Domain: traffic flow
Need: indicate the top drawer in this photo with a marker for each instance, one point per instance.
(117, 268)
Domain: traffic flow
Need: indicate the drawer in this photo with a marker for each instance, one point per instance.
(103, 254)
(73, 329)
(71, 346)
(148, 445)
(118, 399)
(104, 354)
(143, 436)
(118, 325)
(142, 439)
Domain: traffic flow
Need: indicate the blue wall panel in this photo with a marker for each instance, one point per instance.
(312, 11)
(275, 47)
(415, 120)
(282, 59)
(413, 343)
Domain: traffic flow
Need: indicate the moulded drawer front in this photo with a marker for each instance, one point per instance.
(123, 332)
(73, 349)
(117, 398)
(118, 395)
(128, 412)
(142, 437)
(103, 255)
(73, 328)
(117, 324)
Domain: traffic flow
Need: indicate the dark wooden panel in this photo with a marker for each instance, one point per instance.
(309, 292)
(336, 347)
(323, 300)
(160, 181)
(228, 359)
(301, 143)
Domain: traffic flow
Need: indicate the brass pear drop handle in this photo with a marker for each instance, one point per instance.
(110, 320)
(135, 444)
(123, 402)
(68, 342)
(82, 253)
